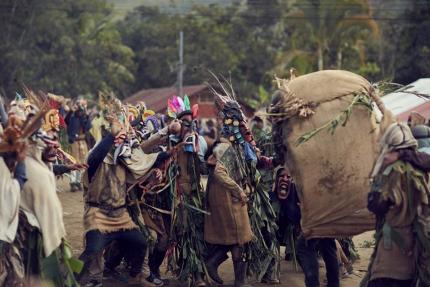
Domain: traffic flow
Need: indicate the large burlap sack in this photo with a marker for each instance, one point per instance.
(332, 170)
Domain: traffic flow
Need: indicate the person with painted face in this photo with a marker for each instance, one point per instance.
(307, 250)
(284, 201)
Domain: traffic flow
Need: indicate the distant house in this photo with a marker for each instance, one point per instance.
(156, 100)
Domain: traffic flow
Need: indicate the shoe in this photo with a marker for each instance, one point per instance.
(240, 273)
(213, 263)
(93, 283)
(349, 268)
(109, 274)
(270, 281)
(153, 278)
(141, 280)
(272, 274)
(198, 280)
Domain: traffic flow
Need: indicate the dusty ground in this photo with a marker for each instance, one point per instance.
(73, 208)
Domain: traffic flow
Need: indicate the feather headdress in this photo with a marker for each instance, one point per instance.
(25, 119)
(177, 107)
(225, 99)
(110, 105)
(235, 126)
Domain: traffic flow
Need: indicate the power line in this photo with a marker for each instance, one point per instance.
(207, 15)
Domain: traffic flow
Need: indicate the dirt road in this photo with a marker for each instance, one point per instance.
(73, 208)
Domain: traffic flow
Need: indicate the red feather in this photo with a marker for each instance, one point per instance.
(195, 110)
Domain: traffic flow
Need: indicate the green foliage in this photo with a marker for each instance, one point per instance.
(328, 30)
(68, 48)
(360, 99)
(414, 44)
(368, 244)
(216, 38)
(369, 70)
(74, 47)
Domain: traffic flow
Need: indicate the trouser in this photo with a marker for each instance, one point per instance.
(75, 177)
(307, 253)
(238, 252)
(79, 150)
(273, 270)
(116, 252)
(155, 258)
(130, 241)
(389, 282)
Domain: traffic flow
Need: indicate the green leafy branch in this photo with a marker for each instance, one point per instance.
(360, 99)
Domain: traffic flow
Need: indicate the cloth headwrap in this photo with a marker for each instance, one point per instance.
(220, 150)
(396, 136)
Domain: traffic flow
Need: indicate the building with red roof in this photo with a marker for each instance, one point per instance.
(156, 100)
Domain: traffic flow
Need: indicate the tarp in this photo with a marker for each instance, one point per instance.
(403, 103)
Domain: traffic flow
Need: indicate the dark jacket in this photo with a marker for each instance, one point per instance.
(75, 123)
(289, 207)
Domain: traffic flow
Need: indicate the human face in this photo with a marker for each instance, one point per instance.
(282, 183)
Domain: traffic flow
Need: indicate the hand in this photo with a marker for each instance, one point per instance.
(257, 152)
(158, 174)
(115, 127)
(174, 127)
(78, 166)
(390, 158)
(243, 198)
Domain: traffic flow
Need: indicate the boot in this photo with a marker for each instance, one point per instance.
(240, 273)
(272, 274)
(198, 280)
(213, 263)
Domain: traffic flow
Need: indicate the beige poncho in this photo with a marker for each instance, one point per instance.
(9, 204)
(108, 187)
(40, 202)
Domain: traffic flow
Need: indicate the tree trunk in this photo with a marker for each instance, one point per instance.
(320, 57)
(339, 59)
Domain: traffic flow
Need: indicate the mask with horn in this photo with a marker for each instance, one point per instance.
(145, 123)
(25, 118)
(114, 111)
(178, 108)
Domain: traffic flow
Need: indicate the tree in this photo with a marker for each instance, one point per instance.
(413, 58)
(68, 47)
(239, 41)
(325, 28)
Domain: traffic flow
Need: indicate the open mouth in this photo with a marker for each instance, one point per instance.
(283, 190)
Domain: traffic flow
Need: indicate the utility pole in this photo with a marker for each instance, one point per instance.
(181, 64)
